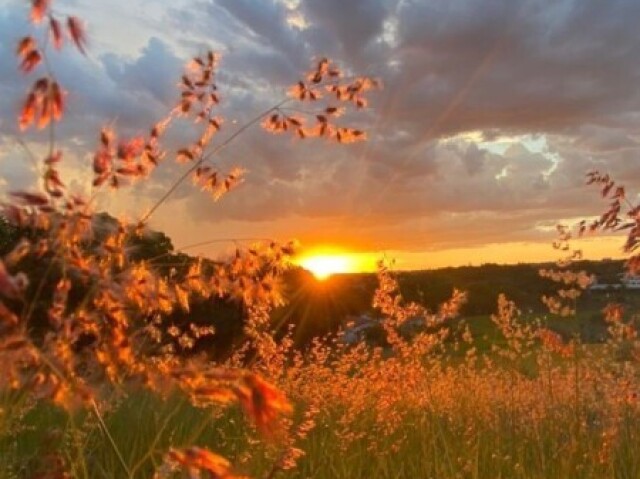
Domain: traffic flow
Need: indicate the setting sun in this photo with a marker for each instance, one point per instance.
(327, 261)
(325, 265)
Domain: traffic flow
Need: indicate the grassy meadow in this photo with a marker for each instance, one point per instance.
(462, 440)
(503, 406)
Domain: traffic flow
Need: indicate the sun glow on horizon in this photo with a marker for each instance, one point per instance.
(323, 264)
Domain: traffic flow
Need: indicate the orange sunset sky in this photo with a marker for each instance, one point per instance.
(491, 114)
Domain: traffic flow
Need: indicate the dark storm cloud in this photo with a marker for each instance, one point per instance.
(553, 68)
(266, 21)
(490, 107)
(532, 65)
(350, 26)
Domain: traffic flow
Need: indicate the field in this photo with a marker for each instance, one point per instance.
(432, 447)
(439, 405)
(463, 431)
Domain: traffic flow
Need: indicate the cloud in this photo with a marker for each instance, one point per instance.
(153, 73)
(350, 27)
(491, 114)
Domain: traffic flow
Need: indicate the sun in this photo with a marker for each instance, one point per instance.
(326, 261)
(322, 266)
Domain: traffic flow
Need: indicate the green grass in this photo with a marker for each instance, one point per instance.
(144, 426)
(436, 448)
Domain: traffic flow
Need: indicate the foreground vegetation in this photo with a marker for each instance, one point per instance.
(432, 446)
(548, 414)
(531, 404)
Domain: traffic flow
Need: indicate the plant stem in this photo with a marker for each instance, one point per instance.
(106, 432)
(206, 157)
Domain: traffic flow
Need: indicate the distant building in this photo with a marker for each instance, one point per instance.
(358, 327)
(631, 281)
(627, 281)
(364, 324)
(596, 285)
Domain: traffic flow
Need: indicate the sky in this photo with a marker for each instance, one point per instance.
(491, 114)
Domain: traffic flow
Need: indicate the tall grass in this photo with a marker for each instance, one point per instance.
(432, 445)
